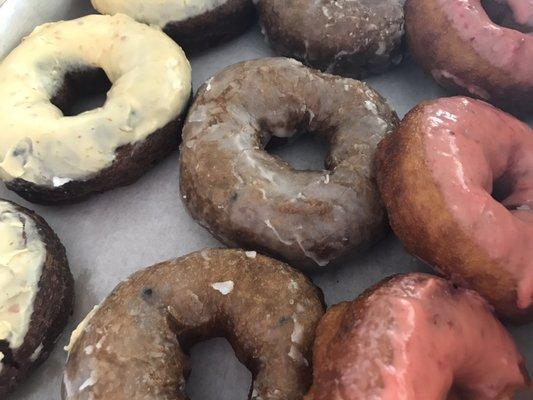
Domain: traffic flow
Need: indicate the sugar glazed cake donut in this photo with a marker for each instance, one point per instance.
(48, 156)
(134, 346)
(347, 37)
(249, 198)
(195, 25)
(36, 293)
(465, 51)
(415, 337)
(457, 180)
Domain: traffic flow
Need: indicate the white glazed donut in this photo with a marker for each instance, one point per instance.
(49, 157)
(193, 24)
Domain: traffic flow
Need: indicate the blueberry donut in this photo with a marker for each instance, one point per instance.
(48, 155)
(134, 345)
(36, 293)
(249, 198)
(346, 37)
(195, 25)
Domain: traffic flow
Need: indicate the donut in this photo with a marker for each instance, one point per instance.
(134, 345)
(465, 51)
(36, 293)
(251, 199)
(195, 25)
(50, 156)
(457, 181)
(412, 337)
(345, 37)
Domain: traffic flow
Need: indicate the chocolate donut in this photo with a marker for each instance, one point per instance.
(247, 197)
(134, 345)
(465, 51)
(347, 37)
(195, 25)
(415, 337)
(457, 180)
(36, 293)
(49, 156)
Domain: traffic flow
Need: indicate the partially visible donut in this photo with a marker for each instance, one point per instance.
(194, 25)
(457, 181)
(49, 156)
(133, 347)
(346, 37)
(36, 293)
(249, 198)
(465, 51)
(415, 337)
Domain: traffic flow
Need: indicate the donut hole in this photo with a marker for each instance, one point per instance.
(215, 368)
(501, 14)
(302, 151)
(502, 188)
(82, 90)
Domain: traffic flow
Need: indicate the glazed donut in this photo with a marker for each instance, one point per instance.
(133, 346)
(465, 51)
(195, 25)
(415, 337)
(438, 174)
(36, 293)
(49, 157)
(246, 197)
(347, 37)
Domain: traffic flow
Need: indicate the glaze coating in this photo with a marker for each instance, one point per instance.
(348, 37)
(464, 50)
(438, 174)
(415, 337)
(246, 197)
(134, 345)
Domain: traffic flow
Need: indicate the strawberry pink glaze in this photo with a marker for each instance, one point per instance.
(446, 337)
(505, 48)
(470, 145)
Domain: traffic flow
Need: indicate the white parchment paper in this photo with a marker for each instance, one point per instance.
(112, 235)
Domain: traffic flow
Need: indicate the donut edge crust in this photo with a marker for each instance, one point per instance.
(53, 307)
(419, 216)
(437, 51)
(131, 162)
(214, 27)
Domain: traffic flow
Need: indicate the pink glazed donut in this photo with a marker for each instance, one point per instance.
(457, 181)
(480, 48)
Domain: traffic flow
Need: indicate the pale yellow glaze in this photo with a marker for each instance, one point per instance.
(76, 333)
(157, 12)
(151, 86)
(22, 256)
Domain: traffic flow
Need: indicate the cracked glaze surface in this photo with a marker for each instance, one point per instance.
(131, 348)
(415, 337)
(245, 196)
(343, 36)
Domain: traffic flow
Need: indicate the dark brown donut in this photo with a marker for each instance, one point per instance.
(415, 337)
(52, 304)
(246, 197)
(466, 52)
(134, 346)
(194, 26)
(48, 155)
(347, 37)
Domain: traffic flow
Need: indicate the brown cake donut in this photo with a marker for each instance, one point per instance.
(194, 25)
(50, 156)
(457, 180)
(465, 51)
(36, 293)
(249, 198)
(134, 345)
(347, 37)
(415, 337)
